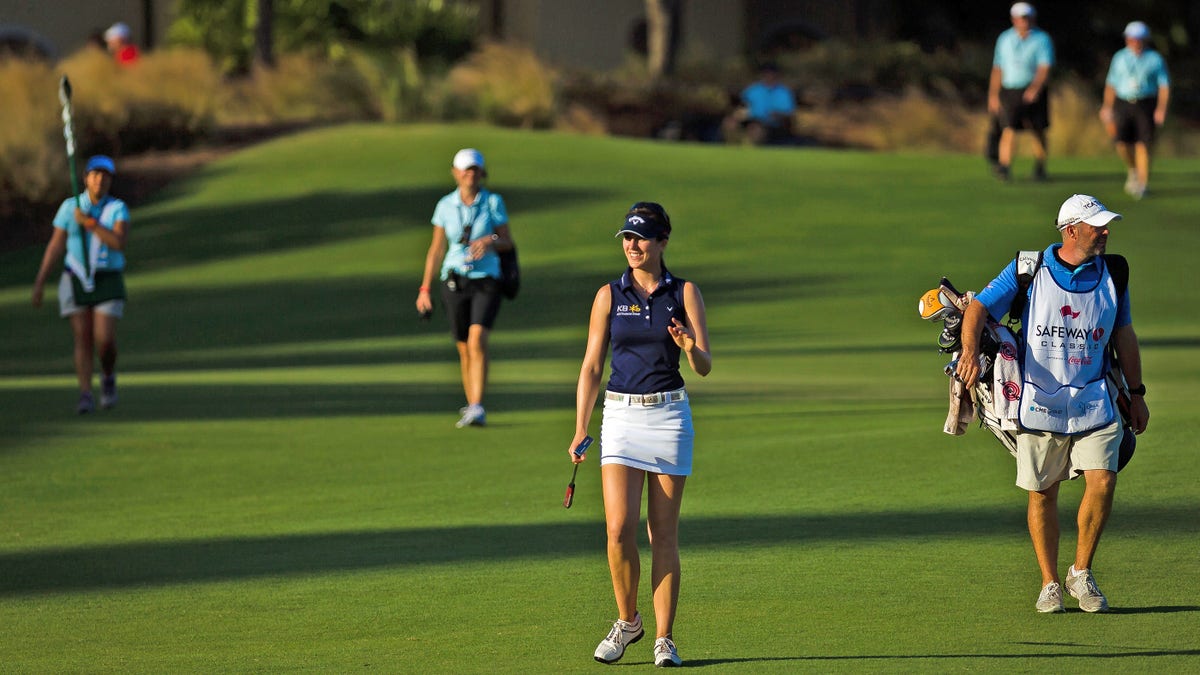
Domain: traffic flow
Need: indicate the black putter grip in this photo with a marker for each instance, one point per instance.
(569, 498)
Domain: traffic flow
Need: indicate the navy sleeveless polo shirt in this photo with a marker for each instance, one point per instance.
(645, 359)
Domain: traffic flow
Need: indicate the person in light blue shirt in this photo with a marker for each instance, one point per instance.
(769, 106)
(1017, 93)
(90, 230)
(470, 227)
(1136, 93)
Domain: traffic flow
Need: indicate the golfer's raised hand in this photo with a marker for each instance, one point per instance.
(682, 336)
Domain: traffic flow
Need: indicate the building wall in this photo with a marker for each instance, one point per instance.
(592, 35)
(67, 24)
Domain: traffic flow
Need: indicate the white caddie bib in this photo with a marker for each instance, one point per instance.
(1066, 335)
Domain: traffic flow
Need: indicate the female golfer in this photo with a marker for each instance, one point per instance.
(89, 235)
(472, 223)
(649, 317)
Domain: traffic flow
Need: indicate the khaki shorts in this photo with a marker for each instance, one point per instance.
(1044, 458)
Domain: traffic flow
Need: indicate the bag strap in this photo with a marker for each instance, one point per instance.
(1028, 263)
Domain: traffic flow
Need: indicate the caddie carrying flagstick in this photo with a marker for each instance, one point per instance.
(89, 236)
(1069, 422)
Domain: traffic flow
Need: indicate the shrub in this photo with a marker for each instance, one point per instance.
(505, 85)
(32, 151)
(166, 100)
(394, 88)
(302, 87)
(1075, 128)
(438, 30)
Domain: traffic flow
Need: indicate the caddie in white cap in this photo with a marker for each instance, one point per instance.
(1072, 302)
(1084, 209)
(1017, 89)
(1136, 92)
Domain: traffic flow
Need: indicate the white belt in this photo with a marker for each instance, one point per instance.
(647, 399)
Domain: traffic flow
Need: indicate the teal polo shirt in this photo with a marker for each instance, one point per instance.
(1019, 58)
(1134, 76)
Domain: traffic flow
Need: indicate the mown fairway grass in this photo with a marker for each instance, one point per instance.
(282, 487)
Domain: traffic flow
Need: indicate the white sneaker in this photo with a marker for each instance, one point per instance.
(623, 634)
(1131, 183)
(1050, 600)
(472, 416)
(665, 654)
(1082, 586)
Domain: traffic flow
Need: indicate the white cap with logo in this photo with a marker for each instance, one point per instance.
(1084, 209)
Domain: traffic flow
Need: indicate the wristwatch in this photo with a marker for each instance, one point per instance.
(1139, 390)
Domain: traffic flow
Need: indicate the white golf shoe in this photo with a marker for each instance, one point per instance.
(472, 416)
(623, 634)
(1082, 586)
(1050, 599)
(665, 654)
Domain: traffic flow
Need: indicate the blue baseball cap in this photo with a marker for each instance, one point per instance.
(101, 163)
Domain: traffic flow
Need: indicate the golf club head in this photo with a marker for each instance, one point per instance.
(934, 305)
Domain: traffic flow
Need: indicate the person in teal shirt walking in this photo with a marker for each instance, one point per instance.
(89, 238)
(1017, 88)
(1136, 93)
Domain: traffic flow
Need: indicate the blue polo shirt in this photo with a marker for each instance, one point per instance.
(1019, 58)
(463, 223)
(109, 211)
(998, 295)
(762, 101)
(1132, 76)
(645, 358)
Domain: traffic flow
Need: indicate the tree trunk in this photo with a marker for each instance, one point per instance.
(662, 31)
(264, 46)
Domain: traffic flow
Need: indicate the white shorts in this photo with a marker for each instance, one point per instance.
(67, 306)
(652, 437)
(1044, 459)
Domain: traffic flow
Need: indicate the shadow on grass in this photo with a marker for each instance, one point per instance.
(207, 560)
(1132, 653)
(225, 231)
(204, 328)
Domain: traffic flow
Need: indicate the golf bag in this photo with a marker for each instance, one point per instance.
(991, 399)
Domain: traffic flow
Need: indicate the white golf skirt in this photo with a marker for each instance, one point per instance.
(655, 438)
